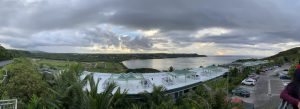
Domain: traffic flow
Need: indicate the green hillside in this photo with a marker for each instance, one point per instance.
(19, 53)
(288, 56)
(4, 54)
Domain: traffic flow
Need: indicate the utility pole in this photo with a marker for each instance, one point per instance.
(228, 74)
(227, 83)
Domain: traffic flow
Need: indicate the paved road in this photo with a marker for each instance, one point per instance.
(268, 89)
(3, 63)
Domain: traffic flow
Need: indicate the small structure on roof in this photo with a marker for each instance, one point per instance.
(183, 73)
(126, 77)
(128, 80)
(210, 70)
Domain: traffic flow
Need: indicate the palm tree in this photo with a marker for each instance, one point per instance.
(214, 98)
(67, 91)
(41, 103)
(136, 106)
(193, 100)
(157, 99)
(111, 97)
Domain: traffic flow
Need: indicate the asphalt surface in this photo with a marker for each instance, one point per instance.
(265, 94)
(268, 89)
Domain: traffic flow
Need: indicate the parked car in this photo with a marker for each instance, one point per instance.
(241, 92)
(285, 83)
(249, 82)
(284, 77)
(286, 70)
(254, 76)
(236, 101)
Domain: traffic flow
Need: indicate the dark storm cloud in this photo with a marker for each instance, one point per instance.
(268, 21)
(47, 15)
(195, 14)
(166, 15)
(253, 38)
(176, 15)
(137, 43)
(249, 47)
(27, 24)
(82, 38)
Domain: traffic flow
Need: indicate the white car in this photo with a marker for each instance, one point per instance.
(286, 82)
(253, 76)
(249, 82)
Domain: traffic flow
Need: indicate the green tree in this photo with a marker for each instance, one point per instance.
(292, 70)
(24, 81)
(212, 98)
(280, 60)
(24, 85)
(41, 103)
(233, 72)
(258, 70)
(107, 99)
(194, 101)
(171, 69)
(157, 99)
(67, 91)
(4, 54)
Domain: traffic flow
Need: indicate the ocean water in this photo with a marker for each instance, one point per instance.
(182, 63)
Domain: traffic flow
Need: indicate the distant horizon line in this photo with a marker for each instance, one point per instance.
(39, 51)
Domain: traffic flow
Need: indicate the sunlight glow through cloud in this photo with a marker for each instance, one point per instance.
(212, 32)
(151, 32)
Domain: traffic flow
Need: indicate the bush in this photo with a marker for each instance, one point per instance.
(292, 70)
(24, 80)
(142, 70)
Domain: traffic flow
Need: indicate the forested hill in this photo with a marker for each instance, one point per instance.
(107, 57)
(19, 53)
(4, 54)
(288, 55)
(90, 57)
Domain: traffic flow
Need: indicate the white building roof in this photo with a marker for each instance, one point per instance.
(141, 82)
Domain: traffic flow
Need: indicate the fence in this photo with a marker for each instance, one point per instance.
(9, 104)
(285, 105)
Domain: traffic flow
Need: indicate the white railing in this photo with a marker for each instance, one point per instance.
(9, 104)
(284, 105)
(4, 77)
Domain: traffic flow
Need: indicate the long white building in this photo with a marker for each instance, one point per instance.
(177, 82)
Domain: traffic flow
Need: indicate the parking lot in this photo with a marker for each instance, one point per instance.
(265, 94)
(249, 99)
(269, 99)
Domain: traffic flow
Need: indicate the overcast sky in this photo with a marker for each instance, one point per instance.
(211, 27)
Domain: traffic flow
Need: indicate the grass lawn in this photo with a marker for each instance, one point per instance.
(219, 82)
(56, 64)
(104, 67)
